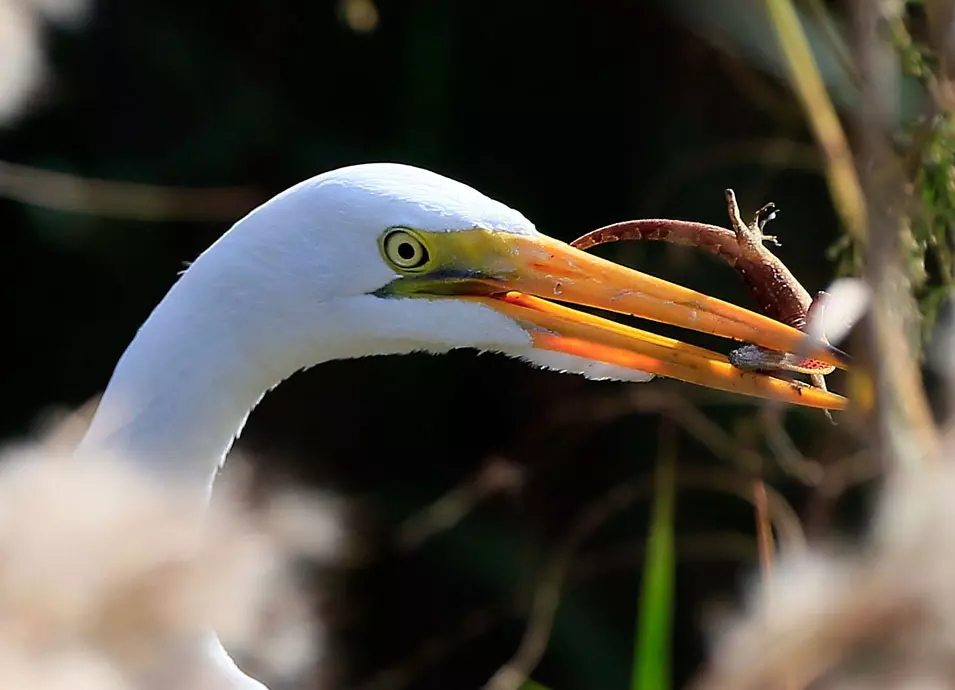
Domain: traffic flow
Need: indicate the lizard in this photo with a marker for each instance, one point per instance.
(777, 291)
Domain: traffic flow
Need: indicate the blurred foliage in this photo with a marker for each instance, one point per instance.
(925, 148)
(652, 659)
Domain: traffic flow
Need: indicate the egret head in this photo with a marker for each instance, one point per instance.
(389, 258)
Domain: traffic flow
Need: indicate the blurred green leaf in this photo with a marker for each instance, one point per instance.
(652, 663)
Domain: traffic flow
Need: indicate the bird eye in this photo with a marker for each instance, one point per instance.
(404, 250)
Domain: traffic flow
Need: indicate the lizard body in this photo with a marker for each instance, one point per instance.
(777, 291)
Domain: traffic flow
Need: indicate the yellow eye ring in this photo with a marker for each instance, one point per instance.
(404, 250)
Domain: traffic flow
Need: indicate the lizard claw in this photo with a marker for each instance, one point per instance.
(767, 213)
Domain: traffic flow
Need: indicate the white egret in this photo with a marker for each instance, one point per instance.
(389, 259)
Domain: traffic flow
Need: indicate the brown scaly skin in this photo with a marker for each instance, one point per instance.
(775, 288)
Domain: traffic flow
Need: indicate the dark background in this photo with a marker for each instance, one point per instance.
(576, 112)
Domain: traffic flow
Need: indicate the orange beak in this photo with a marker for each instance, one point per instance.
(523, 275)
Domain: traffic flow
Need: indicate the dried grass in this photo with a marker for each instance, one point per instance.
(881, 615)
(110, 578)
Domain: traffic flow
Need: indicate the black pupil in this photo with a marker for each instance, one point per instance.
(406, 251)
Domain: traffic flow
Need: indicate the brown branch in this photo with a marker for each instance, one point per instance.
(764, 531)
(125, 200)
(788, 457)
(706, 546)
(546, 599)
(495, 477)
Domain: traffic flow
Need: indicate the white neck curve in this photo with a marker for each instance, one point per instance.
(184, 387)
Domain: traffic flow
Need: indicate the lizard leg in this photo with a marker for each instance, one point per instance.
(750, 236)
(764, 215)
(819, 381)
(815, 312)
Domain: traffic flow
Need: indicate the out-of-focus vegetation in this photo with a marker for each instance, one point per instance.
(507, 541)
(652, 655)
